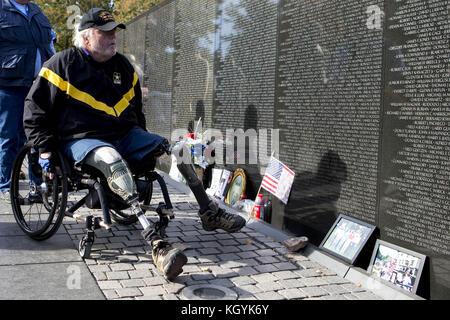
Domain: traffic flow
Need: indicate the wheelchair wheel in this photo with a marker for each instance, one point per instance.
(127, 217)
(85, 245)
(38, 207)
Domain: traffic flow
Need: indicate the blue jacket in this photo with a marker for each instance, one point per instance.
(19, 39)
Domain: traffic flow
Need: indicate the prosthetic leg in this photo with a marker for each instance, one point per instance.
(120, 180)
(169, 260)
(119, 177)
(211, 215)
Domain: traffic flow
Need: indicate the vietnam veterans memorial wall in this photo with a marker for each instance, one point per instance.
(358, 90)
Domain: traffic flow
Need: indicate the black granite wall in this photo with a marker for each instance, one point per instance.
(357, 89)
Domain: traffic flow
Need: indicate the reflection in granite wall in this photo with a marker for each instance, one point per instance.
(134, 45)
(358, 90)
(158, 69)
(120, 41)
(329, 80)
(245, 76)
(194, 60)
(248, 31)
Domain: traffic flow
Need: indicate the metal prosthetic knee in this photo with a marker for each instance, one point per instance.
(115, 169)
(184, 165)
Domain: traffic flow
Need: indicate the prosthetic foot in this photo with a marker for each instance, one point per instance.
(211, 215)
(167, 259)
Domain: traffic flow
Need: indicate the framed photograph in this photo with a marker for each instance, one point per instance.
(215, 182)
(225, 180)
(399, 267)
(346, 238)
(237, 187)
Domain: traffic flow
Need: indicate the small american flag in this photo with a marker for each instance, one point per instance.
(278, 179)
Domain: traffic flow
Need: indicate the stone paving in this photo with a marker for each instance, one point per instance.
(253, 265)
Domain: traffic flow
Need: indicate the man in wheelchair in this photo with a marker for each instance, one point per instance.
(87, 102)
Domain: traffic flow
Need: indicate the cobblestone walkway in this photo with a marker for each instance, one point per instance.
(253, 265)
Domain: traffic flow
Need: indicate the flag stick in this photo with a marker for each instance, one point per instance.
(259, 190)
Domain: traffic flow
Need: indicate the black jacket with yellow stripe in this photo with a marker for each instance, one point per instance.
(75, 97)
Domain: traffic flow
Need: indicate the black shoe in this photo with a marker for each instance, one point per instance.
(215, 218)
(168, 260)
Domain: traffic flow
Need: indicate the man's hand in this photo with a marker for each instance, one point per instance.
(44, 162)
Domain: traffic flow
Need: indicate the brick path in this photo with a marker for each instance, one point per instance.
(253, 265)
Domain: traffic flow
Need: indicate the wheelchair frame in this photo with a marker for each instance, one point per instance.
(49, 194)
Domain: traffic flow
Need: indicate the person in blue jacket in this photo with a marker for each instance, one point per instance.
(26, 41)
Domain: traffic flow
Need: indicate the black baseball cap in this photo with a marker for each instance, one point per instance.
(100, 19)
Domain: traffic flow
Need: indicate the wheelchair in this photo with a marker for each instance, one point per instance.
(39, 199)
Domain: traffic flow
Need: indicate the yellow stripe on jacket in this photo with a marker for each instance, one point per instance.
(86, 98)
(125, 101)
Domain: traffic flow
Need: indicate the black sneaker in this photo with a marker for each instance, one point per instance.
(215, 218)
(168, 260)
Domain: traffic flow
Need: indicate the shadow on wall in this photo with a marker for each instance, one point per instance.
(251, 118)
(311, 209)
(199, 114)
(252, 171)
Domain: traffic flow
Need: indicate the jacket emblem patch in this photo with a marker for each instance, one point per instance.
(117, 78)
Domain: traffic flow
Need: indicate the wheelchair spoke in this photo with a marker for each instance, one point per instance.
(39, 216)
(31, 213)
(38, 220)
(29, 216)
